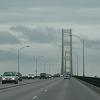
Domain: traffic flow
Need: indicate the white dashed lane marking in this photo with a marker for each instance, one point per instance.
(34, 97)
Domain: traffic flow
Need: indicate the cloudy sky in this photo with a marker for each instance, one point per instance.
(38, 23)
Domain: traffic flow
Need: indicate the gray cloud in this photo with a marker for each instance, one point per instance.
(38, 3)
(62, 11)
(7, 56)
(7, 38)
(10, 56)
(48, 15)
(92, 44)
(49, 35)
(38, 35)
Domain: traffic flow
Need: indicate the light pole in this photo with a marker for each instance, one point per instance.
(36, 59)
(18, 55)
(82, 40)
(62, 65)
(65, 60)
(49, 68)
(77, 65)
(36, 66)
(71, 56)
(44, 67)
(83, 61)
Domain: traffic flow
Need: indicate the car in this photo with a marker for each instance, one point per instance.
(19, 76)
(10, 77)
(31, 76)
(50, 76)
(61, 75)
(66, 77)
(43, 76)
(56, 75)
(24, 76)
(47, 76)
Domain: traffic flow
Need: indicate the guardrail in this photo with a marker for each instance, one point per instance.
(92, 80)
(0, 79)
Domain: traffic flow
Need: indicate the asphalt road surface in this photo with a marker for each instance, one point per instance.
(25, 81)
(51, 89)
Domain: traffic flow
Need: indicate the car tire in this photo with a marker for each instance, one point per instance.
(16, 82)
(3, 82)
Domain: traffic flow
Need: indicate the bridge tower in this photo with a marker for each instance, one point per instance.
(66, 51)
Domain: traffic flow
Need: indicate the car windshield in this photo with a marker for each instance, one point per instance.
(9, 74)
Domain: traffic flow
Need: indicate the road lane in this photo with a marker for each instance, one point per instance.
(27, 92)
(52, 89)
(25, 81)
(70, 90)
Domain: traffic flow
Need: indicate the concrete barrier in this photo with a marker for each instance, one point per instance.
(93, 87)
(0, 79)
(92, 80)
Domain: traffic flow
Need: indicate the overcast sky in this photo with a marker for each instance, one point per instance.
(38, 23)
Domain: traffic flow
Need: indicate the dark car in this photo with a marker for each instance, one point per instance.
(43, 76)
(56, 75)
(19, 76)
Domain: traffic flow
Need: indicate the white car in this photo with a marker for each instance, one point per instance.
(31, 76)
(11, 77)
(66, 77)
